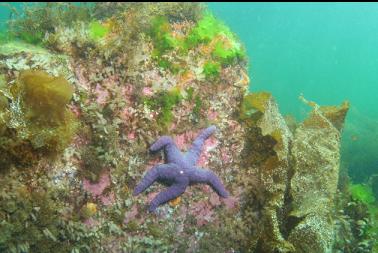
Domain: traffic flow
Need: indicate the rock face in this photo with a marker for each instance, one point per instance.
(125, 97)
(170, 73)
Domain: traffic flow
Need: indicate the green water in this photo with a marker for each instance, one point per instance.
(326, 51)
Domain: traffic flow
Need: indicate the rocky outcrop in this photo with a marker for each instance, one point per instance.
(292, 173)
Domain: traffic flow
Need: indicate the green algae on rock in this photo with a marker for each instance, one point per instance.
(97, 30)
(362, 193)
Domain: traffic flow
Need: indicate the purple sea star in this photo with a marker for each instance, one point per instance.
(179, 171)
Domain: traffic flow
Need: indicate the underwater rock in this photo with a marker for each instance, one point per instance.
(316, 159)
(17, 56)
(132, 86)
(16, 47)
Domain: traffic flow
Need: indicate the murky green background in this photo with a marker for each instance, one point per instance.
(327, 51)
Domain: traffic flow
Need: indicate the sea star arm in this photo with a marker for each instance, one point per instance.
(199, 175)
(172, 153)
(151, 176)
(170, 193)
(195, 150)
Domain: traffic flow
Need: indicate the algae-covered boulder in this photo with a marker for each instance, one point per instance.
(156, 71)
(17, 56)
